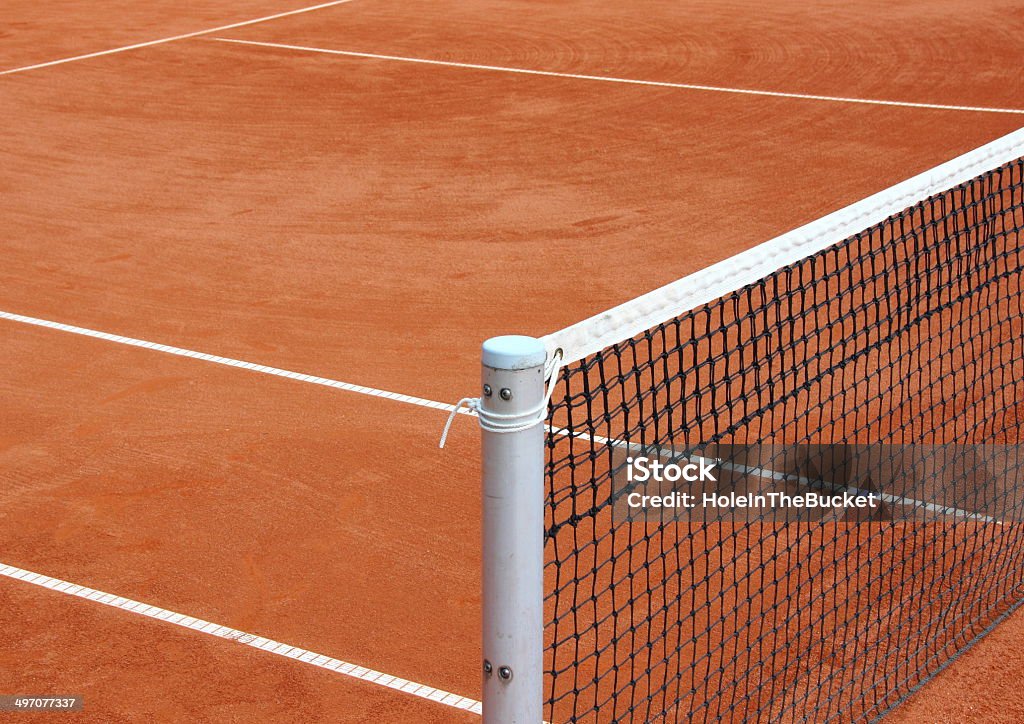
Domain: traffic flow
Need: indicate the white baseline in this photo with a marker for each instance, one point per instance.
(628, 81)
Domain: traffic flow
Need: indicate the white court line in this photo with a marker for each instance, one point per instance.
(629, 81)
(362, 390)
(358, 389)
(229, 362)
(185, 36)
(246, 639)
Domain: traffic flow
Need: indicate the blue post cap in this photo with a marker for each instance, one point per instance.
(513, 352)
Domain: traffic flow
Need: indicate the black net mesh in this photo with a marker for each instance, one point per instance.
(909, 332)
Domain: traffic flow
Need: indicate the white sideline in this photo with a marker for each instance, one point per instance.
(246, 639)
(625, 321)
(171, 39)
(229, 362)
(628, 81)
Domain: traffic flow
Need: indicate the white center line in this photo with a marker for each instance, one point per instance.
(629, 81)
(174, 37)
(246, 639)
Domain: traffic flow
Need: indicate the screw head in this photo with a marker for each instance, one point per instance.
(487, 667)
(487, 391)
(505, 673)
(506, 393)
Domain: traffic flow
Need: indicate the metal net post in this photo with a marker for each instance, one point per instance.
(512, 411)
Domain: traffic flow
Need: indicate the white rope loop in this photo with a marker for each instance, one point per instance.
(470, 403)
(514, 422)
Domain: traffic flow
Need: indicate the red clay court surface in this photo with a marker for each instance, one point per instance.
(370, 220)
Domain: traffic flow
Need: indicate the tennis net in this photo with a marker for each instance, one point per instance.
(898, 321)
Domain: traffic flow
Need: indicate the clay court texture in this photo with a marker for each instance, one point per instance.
(248, 252)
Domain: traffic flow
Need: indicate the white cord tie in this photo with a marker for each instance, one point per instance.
(514, 422)
(470, 403)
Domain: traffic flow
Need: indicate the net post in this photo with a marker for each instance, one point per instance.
(512, 411)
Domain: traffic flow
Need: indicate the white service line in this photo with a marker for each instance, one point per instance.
(629, 81)
(171, 39)
(229, 362)
(246, 639)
